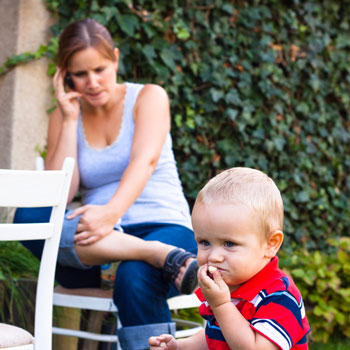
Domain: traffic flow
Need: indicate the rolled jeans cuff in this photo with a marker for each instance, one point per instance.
(136, 337)
(67, 256)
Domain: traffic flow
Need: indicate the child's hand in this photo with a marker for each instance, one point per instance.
(163, 342)
(215, 291)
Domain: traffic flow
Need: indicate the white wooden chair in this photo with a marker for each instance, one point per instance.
(101, 300)
(26, 188)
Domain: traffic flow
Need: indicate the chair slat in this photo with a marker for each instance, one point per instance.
(45, 188)
(23, 232)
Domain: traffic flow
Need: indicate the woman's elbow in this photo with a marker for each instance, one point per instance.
(150, 166)
(148, 163)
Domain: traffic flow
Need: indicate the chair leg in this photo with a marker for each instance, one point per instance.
(94, 325)
(66, 318)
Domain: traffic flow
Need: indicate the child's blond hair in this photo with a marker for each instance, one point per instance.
(249, 187)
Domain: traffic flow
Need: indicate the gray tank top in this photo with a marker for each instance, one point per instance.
(161, 201)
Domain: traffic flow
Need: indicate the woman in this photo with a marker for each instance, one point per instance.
(126, 173)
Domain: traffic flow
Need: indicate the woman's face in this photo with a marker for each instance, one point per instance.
(94, 76)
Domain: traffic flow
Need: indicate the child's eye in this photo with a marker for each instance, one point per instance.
(229, 244)
(204, 243)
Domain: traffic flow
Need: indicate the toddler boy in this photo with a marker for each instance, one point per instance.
(248, 302)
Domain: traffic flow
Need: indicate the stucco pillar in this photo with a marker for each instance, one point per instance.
(25, 91)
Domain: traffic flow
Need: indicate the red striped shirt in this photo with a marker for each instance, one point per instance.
(273, 306)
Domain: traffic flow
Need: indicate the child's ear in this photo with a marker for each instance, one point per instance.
(274, 243)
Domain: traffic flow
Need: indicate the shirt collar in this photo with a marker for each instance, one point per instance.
(253, 286)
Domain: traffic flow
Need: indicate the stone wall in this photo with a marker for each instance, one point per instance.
(25, 91)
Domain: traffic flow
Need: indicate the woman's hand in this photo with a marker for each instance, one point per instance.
(96, 222)
(163, 342)
(68, 102)
(215, 291)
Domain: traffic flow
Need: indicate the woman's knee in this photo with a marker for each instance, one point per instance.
(32, 215)
(140, 294)
(137, 277)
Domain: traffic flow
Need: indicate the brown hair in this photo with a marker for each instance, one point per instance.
(81, 35)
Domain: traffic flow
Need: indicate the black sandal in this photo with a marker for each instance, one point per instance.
(171, 268)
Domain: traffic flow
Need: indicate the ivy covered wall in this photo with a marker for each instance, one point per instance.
(263, 84)
(258, 83)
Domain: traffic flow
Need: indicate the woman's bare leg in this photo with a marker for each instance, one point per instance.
(118, 246)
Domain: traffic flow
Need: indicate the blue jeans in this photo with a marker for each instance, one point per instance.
(139, 292)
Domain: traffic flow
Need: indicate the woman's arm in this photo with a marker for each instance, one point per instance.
(152, 124)
(62, 131)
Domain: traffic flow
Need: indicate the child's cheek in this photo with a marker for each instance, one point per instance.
(201, 258)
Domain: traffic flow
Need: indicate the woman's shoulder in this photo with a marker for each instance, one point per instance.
(150, 99)
(153, 91)
(148, 87)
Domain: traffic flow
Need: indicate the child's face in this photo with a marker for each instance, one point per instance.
(230, 239)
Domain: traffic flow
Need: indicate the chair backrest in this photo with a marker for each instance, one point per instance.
(33, 188)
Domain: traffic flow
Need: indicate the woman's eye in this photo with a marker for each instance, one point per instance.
(99, 69)
(78, 74)
(229, 244)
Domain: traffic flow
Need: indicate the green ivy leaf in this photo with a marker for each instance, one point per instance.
(128, 23)
(167, 57)
(216, 94)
